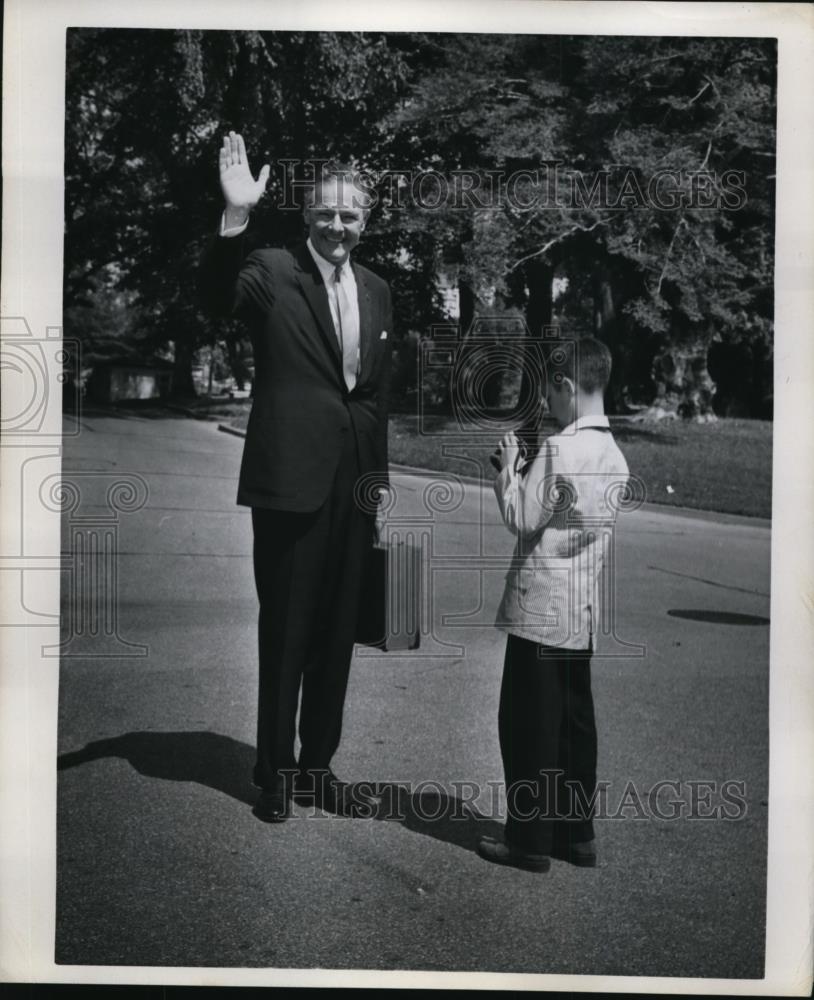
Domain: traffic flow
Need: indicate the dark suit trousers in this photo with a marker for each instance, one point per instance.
(307, 570)
(547, 739)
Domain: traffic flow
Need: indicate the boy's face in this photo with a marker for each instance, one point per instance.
(560, 397)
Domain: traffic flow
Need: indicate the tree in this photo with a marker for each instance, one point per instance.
(145, 111)
(701, 110)
(594, 123)
(554, 153)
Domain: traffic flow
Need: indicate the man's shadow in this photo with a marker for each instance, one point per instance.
(225, 764)
(203, 757)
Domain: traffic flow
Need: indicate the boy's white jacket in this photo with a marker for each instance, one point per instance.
(562, 508)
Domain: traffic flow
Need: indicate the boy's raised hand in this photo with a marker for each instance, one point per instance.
(241, 191)
(508, 451)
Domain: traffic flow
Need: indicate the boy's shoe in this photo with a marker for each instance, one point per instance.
(501, 853)
(583, 855)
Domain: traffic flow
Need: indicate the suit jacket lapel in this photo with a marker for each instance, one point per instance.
(317, 296)
(366, 331)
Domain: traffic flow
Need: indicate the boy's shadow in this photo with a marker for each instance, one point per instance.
(225, 764)
(434, 813)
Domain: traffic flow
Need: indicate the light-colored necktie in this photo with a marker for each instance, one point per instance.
(348, 337)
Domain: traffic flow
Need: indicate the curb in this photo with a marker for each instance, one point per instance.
(188, 411)
(722, 517)
(231, 430)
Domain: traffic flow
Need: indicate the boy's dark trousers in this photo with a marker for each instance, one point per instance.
(547, 738)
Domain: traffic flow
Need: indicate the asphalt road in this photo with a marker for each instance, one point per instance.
(160, 861)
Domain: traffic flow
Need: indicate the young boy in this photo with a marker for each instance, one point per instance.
(562, 508)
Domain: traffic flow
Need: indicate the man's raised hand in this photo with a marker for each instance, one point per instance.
(240, 190)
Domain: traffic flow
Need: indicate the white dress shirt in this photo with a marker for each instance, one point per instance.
(234, 231)
(350, 316)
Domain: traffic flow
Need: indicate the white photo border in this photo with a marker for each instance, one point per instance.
(33, 203)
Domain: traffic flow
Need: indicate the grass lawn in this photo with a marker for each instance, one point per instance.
(726, 466)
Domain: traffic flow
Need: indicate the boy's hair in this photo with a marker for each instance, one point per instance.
(587, 362)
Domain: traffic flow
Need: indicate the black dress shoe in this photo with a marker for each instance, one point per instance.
(583, 854)
(321, 788)
(501, 853)
(273, 806)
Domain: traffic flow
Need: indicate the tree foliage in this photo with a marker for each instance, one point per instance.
(656, 158)
(583, 125)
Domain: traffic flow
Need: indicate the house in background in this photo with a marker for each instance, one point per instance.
(121, 380)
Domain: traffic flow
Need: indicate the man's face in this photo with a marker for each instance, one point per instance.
(336, 219)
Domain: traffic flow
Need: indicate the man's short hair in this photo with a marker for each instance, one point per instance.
(344, 173)
(587, 362)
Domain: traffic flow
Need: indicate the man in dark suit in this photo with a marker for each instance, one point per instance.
(314, 459)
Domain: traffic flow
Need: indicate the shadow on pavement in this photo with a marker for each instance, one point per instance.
(210, 759)
(435, 814)
(717, 617)
(225, 764)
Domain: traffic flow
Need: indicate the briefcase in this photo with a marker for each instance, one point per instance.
(390, 608)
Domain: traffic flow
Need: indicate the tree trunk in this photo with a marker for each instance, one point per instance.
(237, 361)
(211, 368)
(604, 311)
(684, 387)
(539, 306)
(183, 386)
(539, 280)
(466, 306)
(606, 330)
